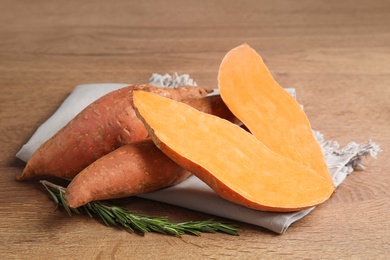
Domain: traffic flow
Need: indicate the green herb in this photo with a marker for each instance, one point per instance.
(112, 215)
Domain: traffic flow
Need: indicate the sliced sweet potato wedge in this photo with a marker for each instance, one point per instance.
(267, 110)
(234, 163)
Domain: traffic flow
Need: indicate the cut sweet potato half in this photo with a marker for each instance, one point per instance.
(271, 114)
(234, 163)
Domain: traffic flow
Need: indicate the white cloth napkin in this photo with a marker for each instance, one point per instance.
(193, 193)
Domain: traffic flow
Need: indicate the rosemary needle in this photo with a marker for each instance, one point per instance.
(115, 216)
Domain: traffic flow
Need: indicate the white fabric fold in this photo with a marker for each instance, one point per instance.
(193, 193)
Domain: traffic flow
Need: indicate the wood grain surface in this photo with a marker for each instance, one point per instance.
(335, 53)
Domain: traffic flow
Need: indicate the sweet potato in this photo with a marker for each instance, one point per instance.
(135, 168)
(100, 128)
(234, 163)
(129, 170)
(270, 113)
(213, 105)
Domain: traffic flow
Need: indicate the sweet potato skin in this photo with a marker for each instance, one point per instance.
(213, 105)
(135, 168)
(100, 128)
(129, 170)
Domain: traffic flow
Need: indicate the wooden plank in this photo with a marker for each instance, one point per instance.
(335, 53)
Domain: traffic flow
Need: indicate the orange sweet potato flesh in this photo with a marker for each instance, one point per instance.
(100, 128)
(271, 114)
(233, 162)
(130, 170)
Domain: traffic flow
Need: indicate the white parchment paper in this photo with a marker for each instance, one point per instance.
(193, 193)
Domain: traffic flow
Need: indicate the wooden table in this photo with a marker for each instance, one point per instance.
(335, 53)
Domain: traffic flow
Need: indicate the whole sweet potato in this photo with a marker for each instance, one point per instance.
(129, 170)
(100, 128)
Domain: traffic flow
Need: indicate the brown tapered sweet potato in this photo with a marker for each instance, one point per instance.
(100, 128)
(135, 168)
(130, 170)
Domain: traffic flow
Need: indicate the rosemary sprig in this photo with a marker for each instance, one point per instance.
(115, 216)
